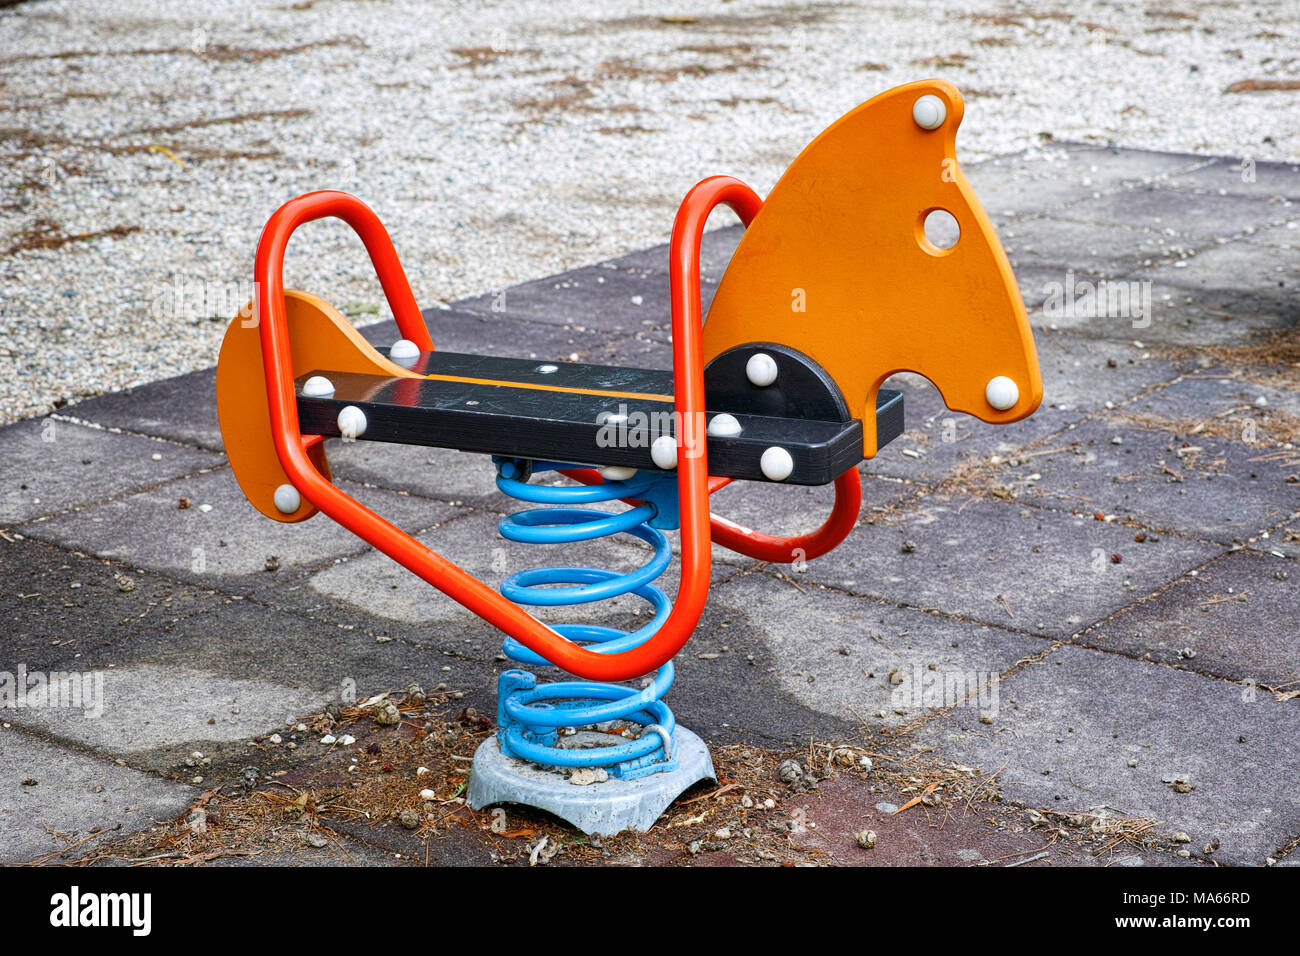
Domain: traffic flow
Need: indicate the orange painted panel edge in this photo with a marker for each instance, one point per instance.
(841, 237)
(320, 337)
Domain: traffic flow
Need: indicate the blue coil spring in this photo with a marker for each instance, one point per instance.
(532, 718)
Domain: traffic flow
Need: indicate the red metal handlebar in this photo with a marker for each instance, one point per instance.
(688, 390)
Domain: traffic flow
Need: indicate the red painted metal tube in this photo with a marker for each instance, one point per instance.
(688, 385)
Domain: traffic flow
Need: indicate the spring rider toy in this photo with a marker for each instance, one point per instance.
(833, 288)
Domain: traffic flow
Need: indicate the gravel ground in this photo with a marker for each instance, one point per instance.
(143, 145)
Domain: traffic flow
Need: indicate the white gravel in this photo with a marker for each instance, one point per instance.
(504, 141)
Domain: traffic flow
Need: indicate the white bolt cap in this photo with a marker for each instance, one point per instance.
(776, 464)
(287, 499)
(929, 112)
(1002, 393)
(404, 353)
(318, 386)
(664, 452)
(352, 422)
(724, 426)
(616, 472)
(761, 369)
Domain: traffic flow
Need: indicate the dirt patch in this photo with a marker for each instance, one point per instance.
(401, 786)
(1273, 360)
(1262, 86)
(227, 120)
(218, 52)
(945, 61)
(486, 55)
(45, 234)
(29, 142)
(762, 19)
(625, 68)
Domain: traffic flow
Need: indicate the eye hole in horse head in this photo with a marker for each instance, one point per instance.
(938, 232)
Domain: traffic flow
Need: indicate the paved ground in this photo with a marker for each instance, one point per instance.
(1108, 589)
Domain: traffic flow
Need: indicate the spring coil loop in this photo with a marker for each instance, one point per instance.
(532, 717)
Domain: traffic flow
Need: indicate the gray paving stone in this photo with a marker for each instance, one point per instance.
(1283, 541)
(1227, 175)
(1217, 394)
(181, 409)
(1078, 379)
(1231, 749)
(440, 473)
(181, 706)
(227, 547)
(1001, 563)
(47, 466)
(73, 795)
(1222, 492)
(1200, 317)
(1237, 615)
(504, 334)
(1233, 265)
(1102, 168)
(1013, 186)
(643, 350)
(786, 511)
(1282, 236)
(1102, 250)
(716, 250)
(842, 656)
(48, 619)
(1191, 215)
(612, 299)
(376, 594)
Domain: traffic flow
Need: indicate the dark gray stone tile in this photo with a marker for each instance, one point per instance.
(620, 299)
(716, 250)
(372, 593)
(47, 466)
(789, 510)
(1014, 186)
(1221, 395)
(1165, 480)
(503, 334)
(1080, 376)
(1282, 236)
(181, 409)
(75, 795)
(1228, 175)
(56, 604)
(1069, 726)
(1237, 615)
(937, 442)
(998, 562)
(1183, 316)
(1283, 541)
(440, 473)
(1231, 266)
(1102, 168)
(642, 350)
(1191, 215)
(227, 547)
(1102, 250)
(850, 658)
(214, 681)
